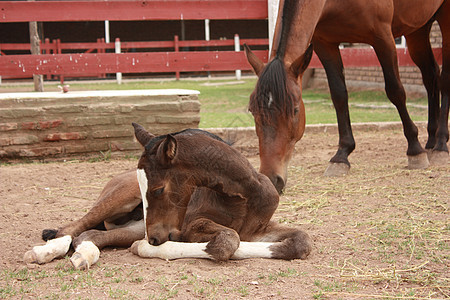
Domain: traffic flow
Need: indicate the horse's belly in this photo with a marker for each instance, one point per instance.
(356, 21)
(410, 15)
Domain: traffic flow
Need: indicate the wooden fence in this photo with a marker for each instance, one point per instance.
(55, 60)
(139, 57)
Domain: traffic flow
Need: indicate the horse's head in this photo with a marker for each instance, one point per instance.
(165, 191)
(278, 109)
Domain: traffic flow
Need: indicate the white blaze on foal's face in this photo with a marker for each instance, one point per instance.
(143, 186)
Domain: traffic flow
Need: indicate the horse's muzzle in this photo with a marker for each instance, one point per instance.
(154, 241)
(279, 183)
(173, 236)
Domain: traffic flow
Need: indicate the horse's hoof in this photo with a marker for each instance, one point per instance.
(419, 161)
(223, 246)
(438, 158)
(86, 254)
(135, 248)
(143, 249)
(79, 262)
(55, 248)
(30, 257)
(336, 170)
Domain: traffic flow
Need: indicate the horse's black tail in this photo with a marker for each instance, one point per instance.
(48, 234)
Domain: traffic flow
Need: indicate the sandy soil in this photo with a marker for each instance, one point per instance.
(382, 231)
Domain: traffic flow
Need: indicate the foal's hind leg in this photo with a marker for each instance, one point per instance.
(331, 59)
(387, 55)
(121, 195)
(88, 244)
(421, 53)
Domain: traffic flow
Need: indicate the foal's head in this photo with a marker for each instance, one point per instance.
(277, 106)
(169, 170)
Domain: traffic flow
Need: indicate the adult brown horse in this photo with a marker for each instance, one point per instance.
(193, 187)
(276, 102)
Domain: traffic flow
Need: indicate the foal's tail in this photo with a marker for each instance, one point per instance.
(49, 234)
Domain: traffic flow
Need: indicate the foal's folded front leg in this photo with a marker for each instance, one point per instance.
(203, 239)
(222, 241)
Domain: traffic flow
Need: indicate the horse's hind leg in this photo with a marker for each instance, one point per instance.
(121, 195)
(55, 248)
(387, 55)
(440, 150)
(331, 59)
(88, 244)
(421, 53)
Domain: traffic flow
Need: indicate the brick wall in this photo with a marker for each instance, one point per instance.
(40, 125)
(373, 76)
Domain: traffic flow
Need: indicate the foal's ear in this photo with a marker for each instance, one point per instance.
(141, 134)
(167, 150)
(253, 60)
(300, 65)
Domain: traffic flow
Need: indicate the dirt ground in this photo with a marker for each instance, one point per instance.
(380, 232)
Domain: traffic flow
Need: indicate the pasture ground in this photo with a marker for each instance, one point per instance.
(382, 232)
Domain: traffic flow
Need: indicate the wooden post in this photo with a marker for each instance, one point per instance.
(177, 49)
(237, 48)
(35, 49)
(0, 76)
(273, 6)
(207, 38)
(59, 51)
(117, 51)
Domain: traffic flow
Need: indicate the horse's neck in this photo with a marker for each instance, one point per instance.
(295, 39)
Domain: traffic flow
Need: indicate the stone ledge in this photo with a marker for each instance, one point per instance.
(61, 125)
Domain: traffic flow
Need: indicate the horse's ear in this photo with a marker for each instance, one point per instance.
(253, 60)
(300, 65)
(167, 150)
(141, 134)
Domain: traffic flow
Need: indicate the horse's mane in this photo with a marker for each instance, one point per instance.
(289, 10)
(271, 97)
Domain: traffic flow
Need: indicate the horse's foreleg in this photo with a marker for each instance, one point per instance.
(331, 59)
(176, 250)
(170, 250)
(287, 243)
(222, 241)
(55, 248)
(385, 49)
(88, 244)
(205, 239)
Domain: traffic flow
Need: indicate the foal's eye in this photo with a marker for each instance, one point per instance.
(158, 192)
(296, 110)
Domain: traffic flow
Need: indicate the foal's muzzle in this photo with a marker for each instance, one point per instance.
(173, 236)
